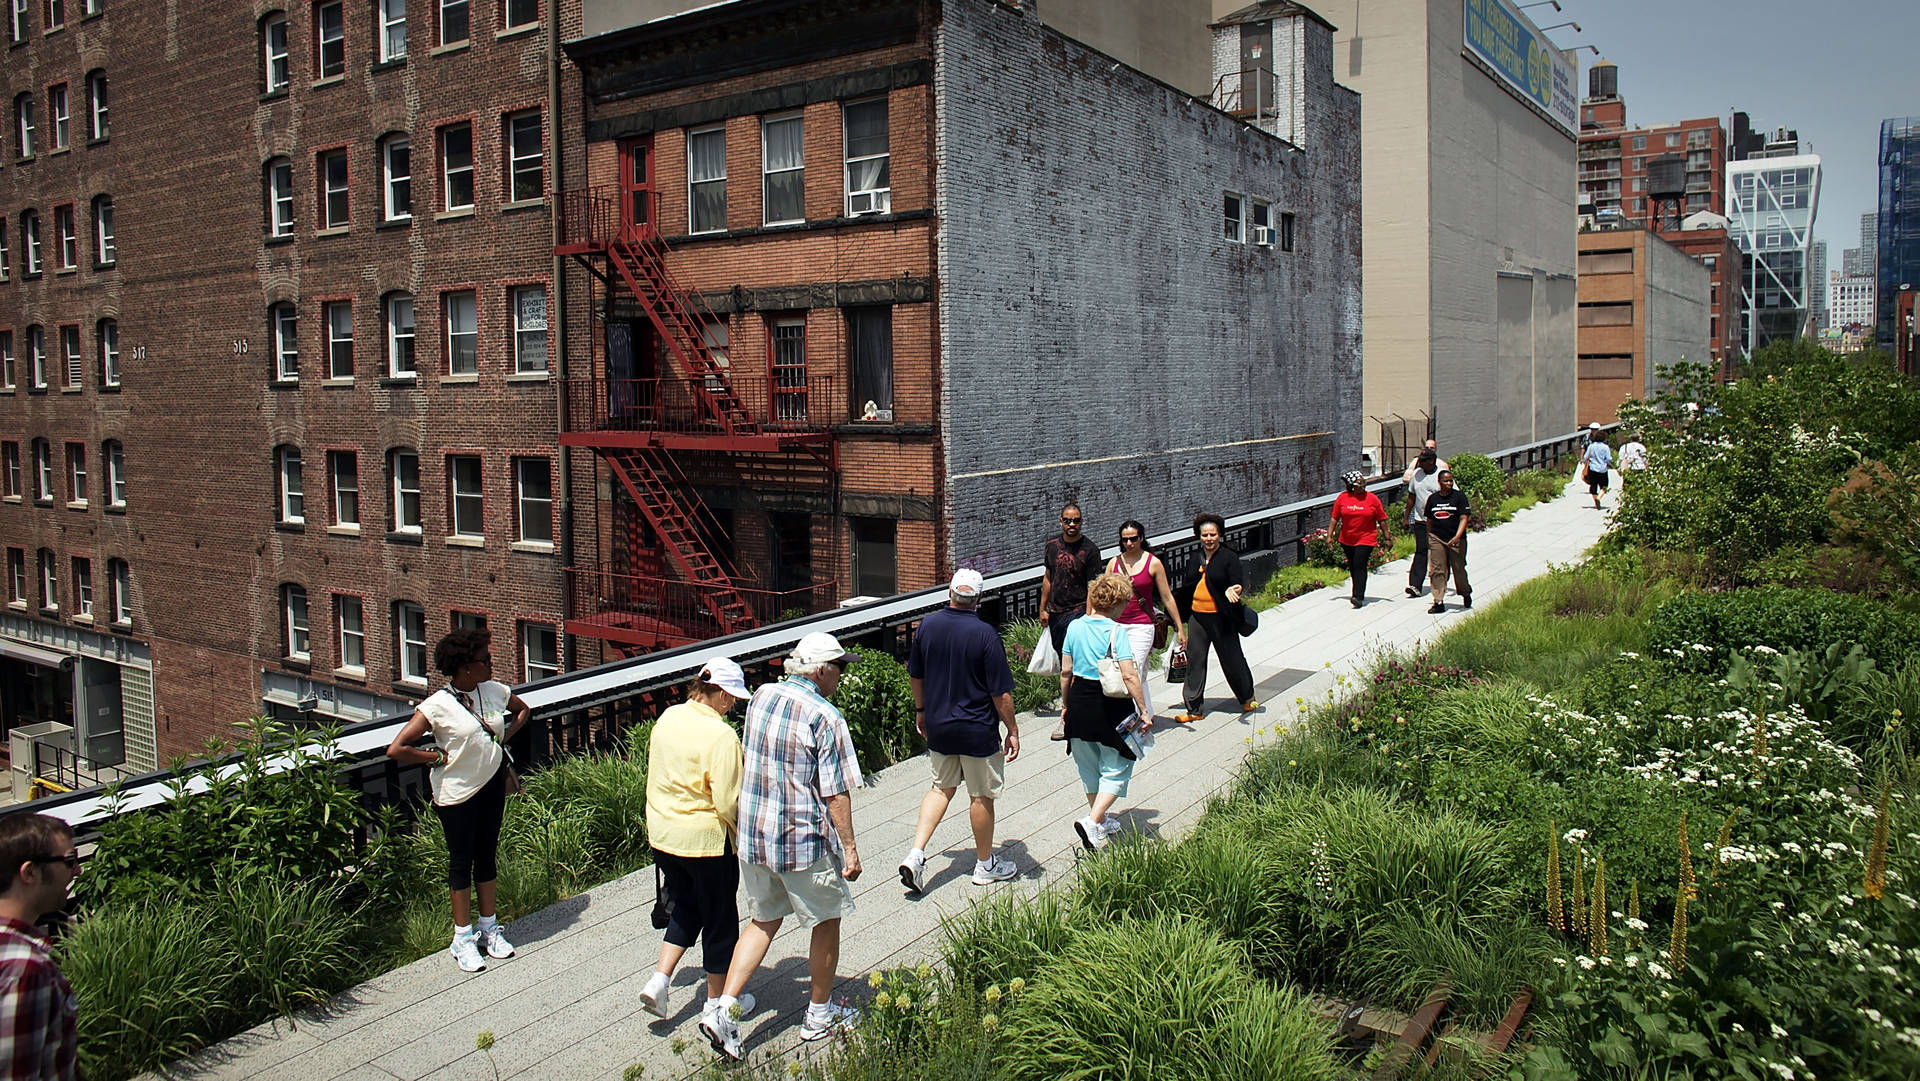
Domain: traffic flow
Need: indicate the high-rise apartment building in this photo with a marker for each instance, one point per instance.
(1897, 233)
(1860, 260)
(1772, 199)
(1850, 297)
(1817, 272)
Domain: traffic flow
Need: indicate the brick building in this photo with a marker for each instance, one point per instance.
(886, 282)
(1643, 303)
(279, 381)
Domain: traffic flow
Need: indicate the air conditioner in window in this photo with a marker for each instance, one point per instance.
(1263, 234)
(869, 202)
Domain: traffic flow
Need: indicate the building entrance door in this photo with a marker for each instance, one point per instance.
(636, 184)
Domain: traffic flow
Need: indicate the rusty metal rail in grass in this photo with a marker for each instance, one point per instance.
(1420, 1036)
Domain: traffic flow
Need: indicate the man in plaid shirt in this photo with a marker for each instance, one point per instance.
(38, 1014)
(796, 833)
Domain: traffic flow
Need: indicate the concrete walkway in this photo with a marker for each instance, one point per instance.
(568, 1006)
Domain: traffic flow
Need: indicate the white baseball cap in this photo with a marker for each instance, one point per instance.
(726, 675)
(967, 582)
(821, 648)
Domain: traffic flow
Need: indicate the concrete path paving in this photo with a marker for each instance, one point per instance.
(568, 1005)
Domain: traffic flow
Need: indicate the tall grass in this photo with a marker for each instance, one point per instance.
(1004, 937)
(1548, 631)
(153, 984)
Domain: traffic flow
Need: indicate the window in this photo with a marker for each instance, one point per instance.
(105, 253)
(526, 172)
(454, 21)
(107, 333)
(17, 575)
(789, 342)
(82, 588)
(333, 190)
(707, 180)
(463, 334)
(6, 359)
(1261, 231)
(49, 582)
(23, 125)
(874, 557)
(529, 304)
(1286, 231)
(116, 472)
(1639, 142)
(70, 348)
(76, 472)
(540, 649)
(293, 608)
(18, 23)
(120, 591)
(292, 489)
(472, 621)
(30, 236)
(6, 262)
(533, 499)
(43, 471)
(273, 52)
(329, 39)
(869, 189)
(67, 236)
(279, 197)
(96, 105)
(343, 469)
(393, 29)
(1606, 262)
(403, 477)
(351, 618)
(1233, 211)
(36, 358)
(1606, 366)
(10, 456)
(456, 167)
(284, 322)
(410, 641)
(396, 171)
(338, 315)
(521, 12)
(464, 503)
(1606, 315)
(56, 14)
(400, 334)
(782, 163)
(57, 115)
(870, 336)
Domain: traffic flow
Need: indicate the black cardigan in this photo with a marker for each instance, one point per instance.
(1223, 570)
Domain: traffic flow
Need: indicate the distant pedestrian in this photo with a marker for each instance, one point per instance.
(1143, 619)
(1447, 515)
(1356, 521)
(797, 849)
(1094, 736)
(1215, 618)
(1598, 459)
(1633, 457)
(1439, 463)
(963, 695)
(39, 1015)
(693, 794)
(471, 720)
(1422, 482)
(1071, 561)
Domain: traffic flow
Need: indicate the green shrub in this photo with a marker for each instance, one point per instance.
(1879, 508)
(1486, 961)
(1005, 936)
(292, 944)
(878, 703)
(1147, 1000)
(1482, 479)
(1210, 876)
(1031, 692)
(607, 793)
(152, 979)
(1701, 630)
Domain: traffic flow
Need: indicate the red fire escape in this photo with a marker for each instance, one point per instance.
(650, 427)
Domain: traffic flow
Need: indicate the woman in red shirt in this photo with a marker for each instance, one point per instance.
(1357, 516)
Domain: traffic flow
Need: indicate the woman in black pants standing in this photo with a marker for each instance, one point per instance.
(1215, 617)
(471, 719)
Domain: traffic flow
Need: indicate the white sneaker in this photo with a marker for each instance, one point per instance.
(997, 869)
(724, 1034)
(913, 873)
(824, 1021)
(1113, 826)
(1092, 834)
(466, 952)
(496, 943)
(742, 1006)
(654, 995)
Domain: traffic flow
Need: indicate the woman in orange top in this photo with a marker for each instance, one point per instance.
(1216, 617)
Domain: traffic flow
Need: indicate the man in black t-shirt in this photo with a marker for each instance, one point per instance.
(1447, 513)
(1072, 561)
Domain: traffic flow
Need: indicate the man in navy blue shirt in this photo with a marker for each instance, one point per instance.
(962, 694)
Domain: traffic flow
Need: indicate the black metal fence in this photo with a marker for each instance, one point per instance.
(594, 708)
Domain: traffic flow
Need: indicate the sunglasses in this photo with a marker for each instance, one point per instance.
(1124, 539)
(71, 859)
(1069, 521)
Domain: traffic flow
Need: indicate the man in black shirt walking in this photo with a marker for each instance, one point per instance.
(1072, 561)
(1447, 512)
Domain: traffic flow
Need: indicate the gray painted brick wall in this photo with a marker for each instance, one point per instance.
(1100, 339)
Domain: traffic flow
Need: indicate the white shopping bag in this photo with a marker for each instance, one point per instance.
(1045, 660)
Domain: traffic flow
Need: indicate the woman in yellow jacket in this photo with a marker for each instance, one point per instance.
(693, 791)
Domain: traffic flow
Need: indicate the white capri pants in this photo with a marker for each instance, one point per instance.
(1141, 635)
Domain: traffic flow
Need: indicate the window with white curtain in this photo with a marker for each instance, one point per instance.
(783, 189)
(707, 180)
(869, 186)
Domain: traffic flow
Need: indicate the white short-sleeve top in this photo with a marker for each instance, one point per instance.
(471, 739)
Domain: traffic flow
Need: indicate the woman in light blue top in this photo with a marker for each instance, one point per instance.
(1599, 459)
(1092, 719)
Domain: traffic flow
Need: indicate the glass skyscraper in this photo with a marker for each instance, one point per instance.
(1898, 234)
(1771, 201)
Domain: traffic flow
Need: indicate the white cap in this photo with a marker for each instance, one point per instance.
(727, 676)
(967, 582)
(1593, 425)
(821, 648)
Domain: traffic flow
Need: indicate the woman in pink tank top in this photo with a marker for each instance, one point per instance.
(1141, 567)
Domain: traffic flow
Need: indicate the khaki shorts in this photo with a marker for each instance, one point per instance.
(983, 776)
(815, 893)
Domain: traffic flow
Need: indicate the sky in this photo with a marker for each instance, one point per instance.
(1832, 69)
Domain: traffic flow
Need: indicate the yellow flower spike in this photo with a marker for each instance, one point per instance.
(925, 971)
(679, 1045)
(905, 1003)
(876, 979)
(993, 995)
(1016, 985)
(1597, 920)
(989, 1023)
(634, 1072)
(483, 1040)
(1292, 762)
(1556, 906)
(1876, 882)
(1248, 741)
(882, 1001)
(794, 1069)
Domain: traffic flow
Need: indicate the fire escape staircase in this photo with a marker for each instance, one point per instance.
(655, 482)
(639, 258)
